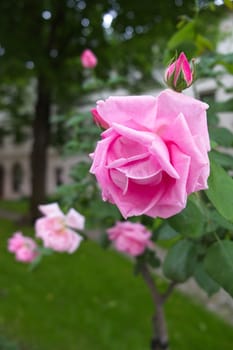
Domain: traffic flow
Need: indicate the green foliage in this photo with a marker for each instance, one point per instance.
(223, 159)
(229, 4)
(216, 220)
(84, 195)
(82, 134)
(189, 35)
(222, 136)
(220, 191)
(219, 263)
(180, 261)
(204, 280)
(165, 232)
(185, 34)
(190, 222)
(126, 45)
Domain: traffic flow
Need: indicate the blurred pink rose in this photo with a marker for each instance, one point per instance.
(130, 238)
(179, 74)
(56, 229)
(154, 153)
(25, 248)
(88, 59)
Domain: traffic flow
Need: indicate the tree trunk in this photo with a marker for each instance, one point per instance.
(40, 134)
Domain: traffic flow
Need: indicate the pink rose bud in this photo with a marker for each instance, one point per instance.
(25, 248)
(88, 59)
(57, 229)
(179, 74)
(131, 238)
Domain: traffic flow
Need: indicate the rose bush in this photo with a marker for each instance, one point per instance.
(131, 238)
(153, 154)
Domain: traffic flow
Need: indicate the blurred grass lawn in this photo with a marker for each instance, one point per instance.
(90, 300)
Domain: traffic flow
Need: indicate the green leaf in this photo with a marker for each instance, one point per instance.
(186, 33)
(222, 136)
(180, 261)
(219, 264)
(223, 159)
(220, 191)
(190, 222)
(205, 281)
(203, 43)
(166, 232)
(220, 221)
(229, 4)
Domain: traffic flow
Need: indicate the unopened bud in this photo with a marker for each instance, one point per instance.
(179, 75)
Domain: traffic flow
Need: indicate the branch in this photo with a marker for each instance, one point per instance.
(169, 290)
(160, 336)
(157, 297)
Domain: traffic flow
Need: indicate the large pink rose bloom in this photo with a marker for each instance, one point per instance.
(130, 238)
(25, 248)
(56, 229)
(154, 153)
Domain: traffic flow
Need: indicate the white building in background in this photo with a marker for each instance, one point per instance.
(15, 176)
(208, 86)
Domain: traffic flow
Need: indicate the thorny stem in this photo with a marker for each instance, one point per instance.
(160, 338)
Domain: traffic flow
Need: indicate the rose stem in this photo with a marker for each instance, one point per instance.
(160, 338)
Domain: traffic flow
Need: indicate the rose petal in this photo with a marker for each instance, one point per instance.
(75, 241)
(174, 197)
(75, 220)
(52, 209)
(144, 171)
(193, 146)
(120, 109)
(170, 104)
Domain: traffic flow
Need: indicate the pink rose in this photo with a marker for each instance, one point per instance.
(154, 153)
(130, 238)
(25, 248)
(56, 229)
(88, 59)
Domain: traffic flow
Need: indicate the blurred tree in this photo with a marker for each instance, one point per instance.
(41, 41)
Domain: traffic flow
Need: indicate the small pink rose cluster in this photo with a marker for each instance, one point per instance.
(131, 238)
(25, 248)
(56, 231)
(88, 59)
